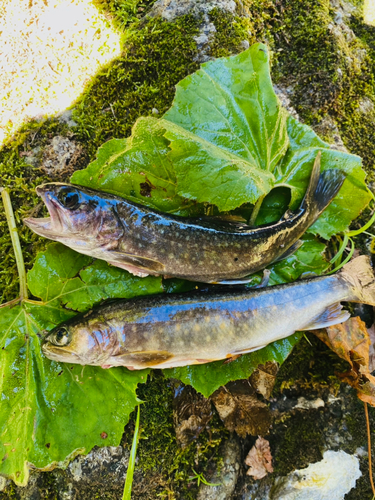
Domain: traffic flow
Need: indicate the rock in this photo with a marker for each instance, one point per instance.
(171, 9)
(66, 117)
(111, 460)
(284, 93)
(60, 157)
(305, 404)
(227, 475)
(3, 483)
(329, 479)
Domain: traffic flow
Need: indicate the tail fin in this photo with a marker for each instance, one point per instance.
(323, 187)
(359, 274)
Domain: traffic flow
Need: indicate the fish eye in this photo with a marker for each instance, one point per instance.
(61, 337)
(69, 198)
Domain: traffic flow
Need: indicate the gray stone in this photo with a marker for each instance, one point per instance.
(171, 9)
(60, 155)
(284, 93)
(227, 476)
(66, 117)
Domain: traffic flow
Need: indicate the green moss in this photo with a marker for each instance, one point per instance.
(331, 72)
(156, 57)
(288, 453)
(159, 455)
(312, 365)
(124, 12)
(253, 25)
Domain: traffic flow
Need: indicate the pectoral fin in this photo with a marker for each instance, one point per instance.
(135, 263)
(143, 359)
(331, 316)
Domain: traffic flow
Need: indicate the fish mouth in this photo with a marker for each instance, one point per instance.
(49, 227)
(60, 354)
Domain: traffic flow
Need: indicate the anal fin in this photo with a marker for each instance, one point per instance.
(331, 316)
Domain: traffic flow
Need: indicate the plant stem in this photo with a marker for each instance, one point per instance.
(130, 471)
(15, 242)
(255, 211)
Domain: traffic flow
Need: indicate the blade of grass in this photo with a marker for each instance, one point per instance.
(130, 472)
(340, 250)
(15, 242)
(363, 228)
(349, 256)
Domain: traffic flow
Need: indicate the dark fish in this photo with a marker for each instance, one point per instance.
(165, 331)
(145, 241)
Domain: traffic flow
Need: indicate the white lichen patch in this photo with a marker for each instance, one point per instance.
(49, 51)
(329, 479)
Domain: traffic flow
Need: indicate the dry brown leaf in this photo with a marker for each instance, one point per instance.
(240, 409)
(351, 341)
(259, 459)
(371, 332)
(191, 413)
(263, 378)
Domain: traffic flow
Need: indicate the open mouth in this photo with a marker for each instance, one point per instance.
(49, 227)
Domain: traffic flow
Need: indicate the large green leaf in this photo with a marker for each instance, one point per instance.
(219, 143)
(295, 169)
(138, 169)
(226, 140)
(231, 104)
(50, 411)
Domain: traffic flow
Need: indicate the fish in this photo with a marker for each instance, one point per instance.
(148, 242)
(172, 330)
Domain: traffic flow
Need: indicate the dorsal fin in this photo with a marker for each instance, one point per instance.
(227, 223)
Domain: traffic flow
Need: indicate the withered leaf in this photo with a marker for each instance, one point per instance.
(259, 459)
(191, 412)
(263, 378)
(240, 409)
(351, 341)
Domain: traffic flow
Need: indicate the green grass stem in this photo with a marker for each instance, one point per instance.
(130, 472)
(15, 242)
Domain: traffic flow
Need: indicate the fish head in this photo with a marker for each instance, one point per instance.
(82, 343)
(80, 218)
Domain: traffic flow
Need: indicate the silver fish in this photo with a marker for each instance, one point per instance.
(165, 331)
(145, 241)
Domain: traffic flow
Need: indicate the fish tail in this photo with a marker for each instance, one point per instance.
(323, 187)
(359, 274)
